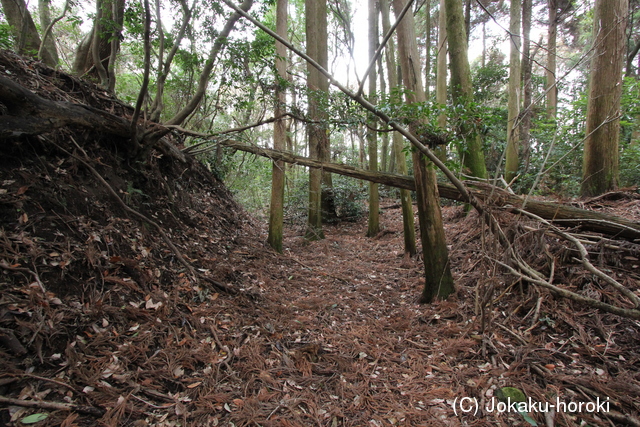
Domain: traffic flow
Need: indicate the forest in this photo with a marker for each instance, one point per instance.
(320, 212)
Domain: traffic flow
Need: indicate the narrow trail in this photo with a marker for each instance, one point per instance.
(350, 340)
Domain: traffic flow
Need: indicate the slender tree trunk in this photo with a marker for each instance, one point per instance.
(600, 162)
(427, 49)
(408, 224)
(164, 65)
(315, 12)
(44, 10)
(98, 35)
(552, 89)
(372, 135)
(527, 64)
(327, 201)
(633, 52)
(384, 150)
(438, 278)
(441, 75)
(25, 34)
(484, 44)
(513, 134)
(461, 88)
(203, 81)
(276, 213)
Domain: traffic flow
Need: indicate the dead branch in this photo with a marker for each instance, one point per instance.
(584, 259)
(535, 277)
(562, 214)
(56, 406)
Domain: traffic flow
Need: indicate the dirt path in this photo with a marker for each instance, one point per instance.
(351, 344)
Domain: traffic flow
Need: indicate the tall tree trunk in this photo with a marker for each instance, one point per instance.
(203, 81)
(484, 44)
(438, 278)
(551, 88)
(461, 88)
(44, 10)
(513, 134)
(600, 162)
(316, 35)
(276, 213)
(467, 19)
(384, 150)
(25, 34)
(441, 75)
(527, 66)
(97, 51)
(408, 224)
(427, 49)
(372, 135)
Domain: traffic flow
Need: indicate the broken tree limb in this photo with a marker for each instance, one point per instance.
(564, 215)
(55, 406)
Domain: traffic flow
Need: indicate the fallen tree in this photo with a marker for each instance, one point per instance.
(565, 215)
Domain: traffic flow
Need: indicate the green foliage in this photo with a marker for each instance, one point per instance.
(134, 19)
(6, 38)
(349, 194)
(490, 81)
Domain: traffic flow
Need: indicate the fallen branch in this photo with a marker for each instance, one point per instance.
(584, 259)
(564, 215)
(56, 406)
(535, 277)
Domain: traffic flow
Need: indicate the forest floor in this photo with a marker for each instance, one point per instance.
(100, 324)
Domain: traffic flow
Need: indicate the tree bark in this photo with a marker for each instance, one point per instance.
(408, 224)
(318, 85)
(441, 75)
(372, 136)
(527, 85)
(384, 164)
(44, 9)
(513, 134)
(25, 34)
(427, 49)
(99, 48)
(600, 160)
(462, 89)
(438, 278)
(551, 88)
(276, 211)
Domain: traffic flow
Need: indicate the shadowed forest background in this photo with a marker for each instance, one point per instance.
(292, 213)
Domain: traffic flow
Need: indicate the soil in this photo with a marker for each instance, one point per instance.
(101, 324)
